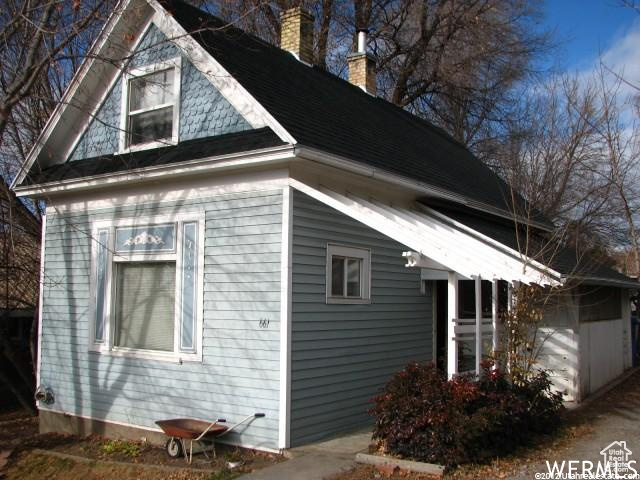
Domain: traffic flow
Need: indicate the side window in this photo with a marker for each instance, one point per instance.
(147, 287)
(348, 274)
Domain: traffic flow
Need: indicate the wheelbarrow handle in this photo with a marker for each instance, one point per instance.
(205, 431)
(236, 425)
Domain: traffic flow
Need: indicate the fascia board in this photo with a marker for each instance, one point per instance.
(200, 166)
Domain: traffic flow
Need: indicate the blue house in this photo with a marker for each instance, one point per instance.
(231, 230)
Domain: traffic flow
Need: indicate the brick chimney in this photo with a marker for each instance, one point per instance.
(296, 33)
(362, 66)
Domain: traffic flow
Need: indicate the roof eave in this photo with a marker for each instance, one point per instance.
(360, 168)
(589, 280)
(259, 157)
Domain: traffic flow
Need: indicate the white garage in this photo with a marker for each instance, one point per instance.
(586, 342)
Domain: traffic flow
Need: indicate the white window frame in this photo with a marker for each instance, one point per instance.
(176, 65)
(107, 346)
(360, 253)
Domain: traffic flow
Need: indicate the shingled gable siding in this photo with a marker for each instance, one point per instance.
(343, 354)
(239, 374)
(203, 110)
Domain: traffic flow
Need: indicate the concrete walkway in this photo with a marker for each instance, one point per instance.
(613, 416)
(318, 460)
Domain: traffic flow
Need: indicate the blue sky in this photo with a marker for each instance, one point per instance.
(587, 27)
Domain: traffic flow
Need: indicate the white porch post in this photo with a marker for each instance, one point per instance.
(495, 338)
(452, 317)
(478, 282)
(510, 287)
(510, 296)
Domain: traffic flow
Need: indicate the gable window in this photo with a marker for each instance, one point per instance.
(147, 281)
(348, 274)
(150, 107)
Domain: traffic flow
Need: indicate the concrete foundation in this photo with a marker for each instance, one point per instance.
(65, 423)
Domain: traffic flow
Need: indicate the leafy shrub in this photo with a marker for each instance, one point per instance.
(543, 406)
(122, 447)
(423, 416)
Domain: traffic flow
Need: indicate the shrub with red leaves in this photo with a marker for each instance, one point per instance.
(423, 416)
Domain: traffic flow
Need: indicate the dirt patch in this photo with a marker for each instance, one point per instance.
(33, 466)
(19, 436)
(15, 428)
(99, 448)
(367, 472)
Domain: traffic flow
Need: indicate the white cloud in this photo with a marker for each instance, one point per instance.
(623, 58)
(621, 61)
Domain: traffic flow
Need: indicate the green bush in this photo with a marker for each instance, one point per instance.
(423, 416)
(122, 447)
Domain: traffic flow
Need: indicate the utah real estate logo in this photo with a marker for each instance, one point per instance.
(615, 464)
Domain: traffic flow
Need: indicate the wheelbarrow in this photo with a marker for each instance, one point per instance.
(179, 430)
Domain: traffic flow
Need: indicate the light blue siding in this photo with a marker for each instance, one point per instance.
(343, 354)
(239, 374)
(203, 110)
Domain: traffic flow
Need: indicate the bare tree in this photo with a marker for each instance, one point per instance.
(37, 38)
(42, 43)
(19, 287)
(619, 143)
(454, 62)
(548, 152)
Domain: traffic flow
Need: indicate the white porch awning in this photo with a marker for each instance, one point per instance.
(436, 241)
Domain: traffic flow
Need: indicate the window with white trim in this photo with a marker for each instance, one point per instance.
(348, 274)
(147, 283)
(150, 107)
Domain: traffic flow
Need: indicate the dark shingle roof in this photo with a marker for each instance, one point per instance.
(325, 112)
(568, 261)
(189, 150)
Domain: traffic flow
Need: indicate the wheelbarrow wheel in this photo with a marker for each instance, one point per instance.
(173, 447)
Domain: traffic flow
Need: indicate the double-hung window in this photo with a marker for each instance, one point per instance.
(348, 274)
(150, 107)
(147, 281)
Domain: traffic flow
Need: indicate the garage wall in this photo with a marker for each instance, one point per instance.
(582, 351)
(559, 345)
(602, 354)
